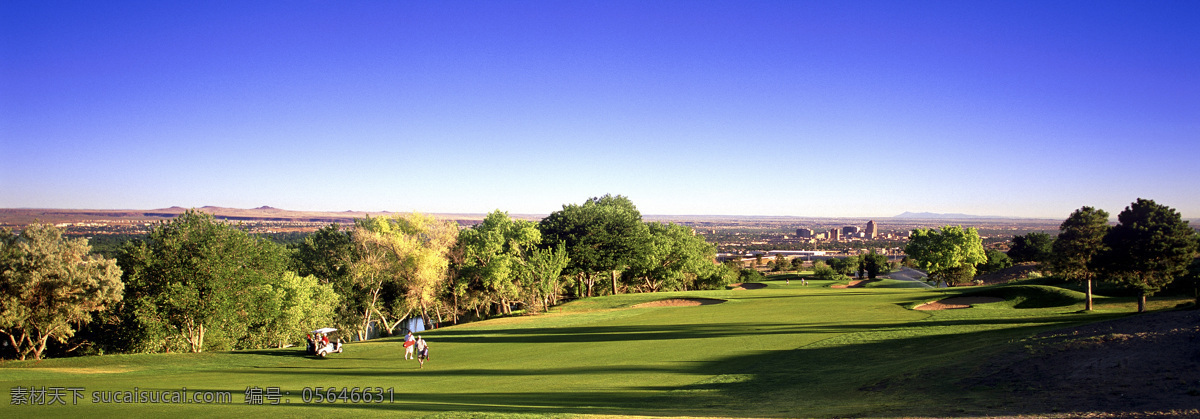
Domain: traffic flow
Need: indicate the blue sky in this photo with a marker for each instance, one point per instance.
(847, 108)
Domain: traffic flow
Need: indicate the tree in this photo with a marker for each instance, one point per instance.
(822, 271)
(1149, 248)
(289, 308)
(602, 236)
(674, 258)
(875, 264)
(195, 284)
(493, 254)
(541, 274)
(50, 285)
(948, 255)
(328, 254)
(1033, 247)
(844, 266)
(722, 275)
(748, 275)
(1080, 239)
(782, 263)
(402, 266)
(996, 260)
(1193, 276)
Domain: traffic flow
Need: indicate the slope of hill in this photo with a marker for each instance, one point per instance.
(780, 351)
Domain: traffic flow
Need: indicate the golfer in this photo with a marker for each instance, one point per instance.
(409, 342)
(422, 351)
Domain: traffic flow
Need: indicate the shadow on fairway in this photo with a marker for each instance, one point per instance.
(285, 352)
(880, 374)
(590, 334)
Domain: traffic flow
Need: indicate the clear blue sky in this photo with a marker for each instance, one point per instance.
(823, 108)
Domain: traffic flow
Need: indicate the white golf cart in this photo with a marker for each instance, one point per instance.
(317, 345)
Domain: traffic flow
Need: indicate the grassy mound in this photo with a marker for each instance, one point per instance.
(1030, 296)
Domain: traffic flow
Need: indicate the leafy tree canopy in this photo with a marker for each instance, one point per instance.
(602, 235)
(948, 255)
(1149, 248)
(49, 285)
(1033, 247)
(195, 284)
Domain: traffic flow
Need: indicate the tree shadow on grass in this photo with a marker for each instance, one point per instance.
(872, 371)
(627, 333)
(284, 352)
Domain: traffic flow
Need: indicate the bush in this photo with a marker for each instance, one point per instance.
(750, 275)
(824, 272)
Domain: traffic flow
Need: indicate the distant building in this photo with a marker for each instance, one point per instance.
(804, 232)
(872, 233)
(833, 234)
(849, 230)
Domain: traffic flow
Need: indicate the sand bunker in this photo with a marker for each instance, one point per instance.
(681, 302)
(748, 286)
(957, 302)
(857, 283)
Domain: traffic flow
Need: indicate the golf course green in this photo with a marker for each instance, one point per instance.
(786, 350)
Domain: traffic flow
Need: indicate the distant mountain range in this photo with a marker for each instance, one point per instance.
(941, 216)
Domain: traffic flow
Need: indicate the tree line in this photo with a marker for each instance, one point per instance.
(1150, 247)
(198, 284)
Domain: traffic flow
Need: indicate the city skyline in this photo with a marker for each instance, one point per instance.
(808, 109)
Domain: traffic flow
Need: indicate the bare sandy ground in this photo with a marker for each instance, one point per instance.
(748, 286)
(957, 302)
(681, 302)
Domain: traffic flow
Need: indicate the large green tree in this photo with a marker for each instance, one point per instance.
(674, 258)
(1033, 247)
(1149, 248)
(196, 284)
(844, 266)
(541, 276)
(1080, 239)
(782, 263)
(402, 266)
(996, 260)
(874, 264)
(494, 254)
(50, 285)
(948, 255)
(328, 254)
(289, 307)
(603, 236)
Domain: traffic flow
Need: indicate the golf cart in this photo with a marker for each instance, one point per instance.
(317, 345)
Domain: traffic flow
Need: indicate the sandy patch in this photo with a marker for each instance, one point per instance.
(957, 302)
(748, 286)
(681, 302)
(853, 284)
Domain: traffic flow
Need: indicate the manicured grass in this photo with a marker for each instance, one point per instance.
(783, 351)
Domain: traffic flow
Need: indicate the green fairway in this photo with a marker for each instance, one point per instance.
(781, 351)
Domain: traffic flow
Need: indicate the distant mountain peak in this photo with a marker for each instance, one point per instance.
(266, 207)
(936, 216)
